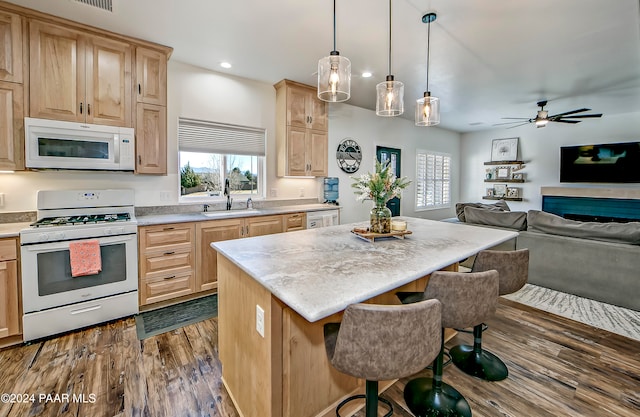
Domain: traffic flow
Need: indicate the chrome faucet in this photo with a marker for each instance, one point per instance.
(227, 193)
(206, 208)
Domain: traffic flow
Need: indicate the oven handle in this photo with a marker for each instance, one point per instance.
(62, 245)
(86, 310)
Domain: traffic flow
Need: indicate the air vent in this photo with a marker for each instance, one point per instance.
(100, 4)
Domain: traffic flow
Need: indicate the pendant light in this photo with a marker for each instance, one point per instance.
(334, 73)
(428, 107)
(390, 93)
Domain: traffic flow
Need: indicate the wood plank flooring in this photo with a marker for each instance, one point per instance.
(558, 367)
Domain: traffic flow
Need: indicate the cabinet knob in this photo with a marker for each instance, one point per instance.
(89, 109)
(139, 89)
(171, 277)
(169, 253)
(139, 160)
(80, 107)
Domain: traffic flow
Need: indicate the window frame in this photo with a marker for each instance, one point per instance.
(425, 181)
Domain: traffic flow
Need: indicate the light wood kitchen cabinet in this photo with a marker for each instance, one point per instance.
(9, 291)
(206, 264)
(301, 131)
(11, 69)
(79, 77)
(294, 221)
(12, 122)
(151, 76)
(167, 260)
(263, 225)
(151, 139)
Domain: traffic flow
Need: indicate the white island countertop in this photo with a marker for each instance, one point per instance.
(319, 272)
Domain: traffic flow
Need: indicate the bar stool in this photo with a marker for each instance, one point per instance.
(383, 342)
(513, 269)
(467, 299)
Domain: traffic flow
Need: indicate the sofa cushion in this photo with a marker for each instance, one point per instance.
(509, 219)
(500, 205)
(540, 221)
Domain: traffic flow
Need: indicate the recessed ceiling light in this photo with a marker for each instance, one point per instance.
(225, 65)
(366, 75)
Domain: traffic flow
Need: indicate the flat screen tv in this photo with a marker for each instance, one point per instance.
(605, 163)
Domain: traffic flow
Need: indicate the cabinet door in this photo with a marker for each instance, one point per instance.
(294, 221)
(12, 126)
(57, 72)
(296, 151)
(317, 153)
(11, 41)
(108, 95)
(151, 139)
(9, 311)
(206, 260)
(297, 111)
(317, 109)
(264, 225)
(151, 77)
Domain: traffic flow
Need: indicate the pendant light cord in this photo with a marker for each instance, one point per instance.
(428, 51)
(334, 25)
(389, 37)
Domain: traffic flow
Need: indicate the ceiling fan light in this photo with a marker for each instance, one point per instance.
(427, 110)
(542, 123)
(390, 98)
(334, 78)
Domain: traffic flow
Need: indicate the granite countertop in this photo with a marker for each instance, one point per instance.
(319, 272)
(12, 229)
(149, 220)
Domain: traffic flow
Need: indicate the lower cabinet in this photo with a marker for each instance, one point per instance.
(9, 291)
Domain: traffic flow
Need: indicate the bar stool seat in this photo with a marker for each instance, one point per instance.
(467, 299)
(513, 270)
(383, 342)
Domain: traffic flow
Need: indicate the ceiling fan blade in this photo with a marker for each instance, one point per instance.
(568, 112)
(565, 121)
(582, 116)
(508, 123)
(516, 118)
(521, 124)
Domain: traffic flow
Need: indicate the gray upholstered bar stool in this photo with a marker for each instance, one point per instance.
(513, 269)
(383, 342)
(467, 299)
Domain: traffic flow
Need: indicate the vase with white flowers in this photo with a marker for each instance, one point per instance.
(380, 187)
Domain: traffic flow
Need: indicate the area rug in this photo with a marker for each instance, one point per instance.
(162, 320)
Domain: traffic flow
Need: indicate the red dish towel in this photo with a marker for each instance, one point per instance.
(84, 257)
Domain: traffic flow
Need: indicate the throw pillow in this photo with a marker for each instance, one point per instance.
(509, 219)
(500, 205)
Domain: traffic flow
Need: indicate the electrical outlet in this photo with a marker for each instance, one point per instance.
(274, 192)
(260, 320)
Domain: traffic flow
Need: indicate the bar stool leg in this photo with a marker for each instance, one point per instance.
(477, 362)
(371, 401)
(432, 397)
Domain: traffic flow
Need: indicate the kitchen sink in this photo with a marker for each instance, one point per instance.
(228, 213)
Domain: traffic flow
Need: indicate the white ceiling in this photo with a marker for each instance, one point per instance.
(489, 59)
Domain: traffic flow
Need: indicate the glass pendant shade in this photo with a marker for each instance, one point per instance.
(390, 97)
(334, 78)
(427, 110)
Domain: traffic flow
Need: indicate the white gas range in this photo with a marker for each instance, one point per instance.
(53, 300)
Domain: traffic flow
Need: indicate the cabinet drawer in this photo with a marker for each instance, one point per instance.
(294, 222)
(170, 262)
(168, 237)
(8, 249)
(166, 288)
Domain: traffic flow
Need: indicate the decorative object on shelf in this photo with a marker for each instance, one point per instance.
(503, 173)
(489, 192)
(334, 73)
(349, 155)
(390, 93)
(504, 149)
(500, 190)
(489, 173)
(517, 176)
(428, 107)
(513, 192)
(381, 186)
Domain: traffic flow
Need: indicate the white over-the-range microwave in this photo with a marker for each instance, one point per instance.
(55, 144)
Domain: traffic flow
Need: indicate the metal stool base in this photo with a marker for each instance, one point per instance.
(425, 401)
(483, 364)
(362, 396)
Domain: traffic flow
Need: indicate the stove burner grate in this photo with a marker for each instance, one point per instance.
(82, 219)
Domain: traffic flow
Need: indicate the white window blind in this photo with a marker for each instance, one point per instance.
(433, 180)
(205, 136)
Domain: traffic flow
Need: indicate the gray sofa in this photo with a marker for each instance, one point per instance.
(593, 260)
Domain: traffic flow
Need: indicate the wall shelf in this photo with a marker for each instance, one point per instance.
(505, 180)
(504, 163)
(503, 198)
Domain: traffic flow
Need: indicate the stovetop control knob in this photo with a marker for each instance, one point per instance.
(43, 237)
(58, 236)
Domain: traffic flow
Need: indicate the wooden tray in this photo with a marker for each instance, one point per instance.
(371, 237)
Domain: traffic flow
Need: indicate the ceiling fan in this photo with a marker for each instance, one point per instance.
(542, 117)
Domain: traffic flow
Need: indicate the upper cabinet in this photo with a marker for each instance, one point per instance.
(11, 42)
(79, 77)
(151, 77)
(301, 131)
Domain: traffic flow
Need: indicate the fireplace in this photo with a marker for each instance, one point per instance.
(592, 204)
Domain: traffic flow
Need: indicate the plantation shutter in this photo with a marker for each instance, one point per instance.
(433, 177)
(210, 137)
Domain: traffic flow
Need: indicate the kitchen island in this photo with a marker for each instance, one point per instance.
(276, 293)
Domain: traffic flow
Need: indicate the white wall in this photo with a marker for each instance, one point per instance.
(370, 131)
(540, 149)
(192, 92)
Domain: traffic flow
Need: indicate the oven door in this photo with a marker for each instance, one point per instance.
(47, 280)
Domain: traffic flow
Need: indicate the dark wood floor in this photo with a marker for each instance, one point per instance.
(558, 367)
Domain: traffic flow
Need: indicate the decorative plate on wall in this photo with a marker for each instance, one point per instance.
(349, 155)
